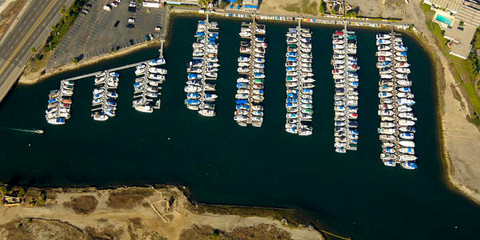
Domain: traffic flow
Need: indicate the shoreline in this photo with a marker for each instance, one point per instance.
(166, 209)
(439, 73)
(441, 87)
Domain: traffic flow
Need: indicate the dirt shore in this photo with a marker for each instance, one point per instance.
(460, 138)
(134, 213)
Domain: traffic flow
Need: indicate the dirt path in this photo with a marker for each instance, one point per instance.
(462, 138)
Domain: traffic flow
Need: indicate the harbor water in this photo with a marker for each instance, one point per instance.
(351, 194)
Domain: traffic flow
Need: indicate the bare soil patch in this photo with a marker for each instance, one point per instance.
(259, 232)
(128, 198)
(83, 204)
(42, 229)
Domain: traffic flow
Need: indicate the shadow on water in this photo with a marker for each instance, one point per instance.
(351, 194)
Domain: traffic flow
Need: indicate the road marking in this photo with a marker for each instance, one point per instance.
(29, 33)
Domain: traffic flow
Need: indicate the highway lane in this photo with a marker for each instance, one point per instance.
(31, 30)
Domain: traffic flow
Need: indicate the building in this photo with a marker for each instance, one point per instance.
(251, 5)
(460, 19)
(182, 2)
(151, 3)
(246, 5)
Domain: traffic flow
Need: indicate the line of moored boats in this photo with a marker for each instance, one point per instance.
(396, 131)
(299, 82)
(104, 103)
(147, 86)
(345, 76)
(59, 103)
(203, 70)
(251, 68)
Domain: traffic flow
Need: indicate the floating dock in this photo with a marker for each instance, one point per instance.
(148, 84)
(299, 81)
(60, 103)
(344, 62)
(396, 131)
(251, 68)
(203, 70)
(104, 104)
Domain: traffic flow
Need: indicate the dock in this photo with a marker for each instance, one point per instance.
(345, 76)
(202, 70)
(60, 103)
(299, 81)
(252, 49)
(110, 70)
(396, 131)
(149, 78)
(104, 97)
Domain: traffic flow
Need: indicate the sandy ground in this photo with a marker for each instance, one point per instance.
(366, 8)
(150, 214)
(461, 137)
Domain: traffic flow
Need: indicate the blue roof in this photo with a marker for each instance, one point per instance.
(251, 6)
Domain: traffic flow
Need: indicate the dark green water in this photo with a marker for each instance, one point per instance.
(351, 194)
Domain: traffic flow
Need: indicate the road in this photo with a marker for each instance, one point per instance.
(31, 30)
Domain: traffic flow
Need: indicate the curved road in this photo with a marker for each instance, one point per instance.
(31, 30)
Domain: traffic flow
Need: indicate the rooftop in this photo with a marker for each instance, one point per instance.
(461, 37)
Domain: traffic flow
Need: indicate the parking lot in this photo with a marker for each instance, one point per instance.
(100, 31)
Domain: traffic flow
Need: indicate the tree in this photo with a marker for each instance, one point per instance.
(21, 192)
(74, 60)
(33, 50)
(351, 13)
(204, 3)
(333, 12)
(322, 7)
(3, 190)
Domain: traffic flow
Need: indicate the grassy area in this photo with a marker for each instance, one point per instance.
(465, 71)
(306, 6)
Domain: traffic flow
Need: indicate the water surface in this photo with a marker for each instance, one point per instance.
(351, 194)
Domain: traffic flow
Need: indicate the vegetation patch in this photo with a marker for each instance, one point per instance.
(41, 229)
(83, 204)
(306, 6)
(465, 71)
(129, 198)
(62, 27)
(261, 231)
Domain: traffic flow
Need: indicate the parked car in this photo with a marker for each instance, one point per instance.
(116, 23)
(131, 20)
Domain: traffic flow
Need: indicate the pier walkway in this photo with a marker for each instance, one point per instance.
(109, 70)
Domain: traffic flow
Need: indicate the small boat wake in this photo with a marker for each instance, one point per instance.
(33, 131)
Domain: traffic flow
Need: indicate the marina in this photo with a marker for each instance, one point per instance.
(202, 70)
(60, 103)
(251, 68)
(346, 193)
(299, 81)
(104, 103)
(148, 83)
(397, 126)
(345, 76)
